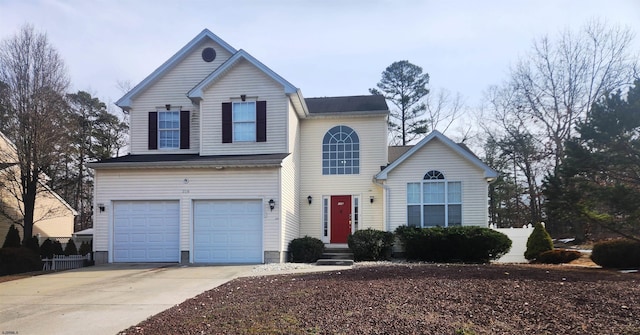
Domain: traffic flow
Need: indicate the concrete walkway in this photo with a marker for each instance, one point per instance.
(106, 299)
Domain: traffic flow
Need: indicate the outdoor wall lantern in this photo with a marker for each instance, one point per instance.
(310, 199)
(371, 198)
(272, 204)
(167, 106)
(101, 207)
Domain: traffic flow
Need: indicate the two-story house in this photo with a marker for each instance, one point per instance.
(229, 163)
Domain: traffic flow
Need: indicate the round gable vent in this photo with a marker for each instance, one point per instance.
(208, 55)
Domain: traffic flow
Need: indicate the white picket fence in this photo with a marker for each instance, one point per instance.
(62, 262)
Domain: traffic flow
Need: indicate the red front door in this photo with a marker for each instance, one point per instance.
(340, 218)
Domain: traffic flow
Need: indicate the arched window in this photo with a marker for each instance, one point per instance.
(433, 174)
(340, 151)
(434, 201)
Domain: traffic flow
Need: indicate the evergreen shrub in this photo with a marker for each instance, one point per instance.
(558, 256)
(538, 242)
(465, 244)
(305, 249)
(618, 254)
(70, 248)
(85, 248)
(32, 244)
(12, 239)
(18, 260)
(371, 245)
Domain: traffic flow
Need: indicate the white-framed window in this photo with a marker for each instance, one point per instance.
(340, 151)
(434, 201)
(168, 129)
(356, 213)
(244, 121)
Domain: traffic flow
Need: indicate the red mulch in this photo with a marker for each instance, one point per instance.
(414, 299)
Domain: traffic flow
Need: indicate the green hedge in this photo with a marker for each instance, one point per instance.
(18, 260)
(371, 245)
(557, 256)
(305, 249)
(453, 244)
(619, 254)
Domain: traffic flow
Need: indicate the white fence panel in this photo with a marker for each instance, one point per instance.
(61, 262)
(518, 237)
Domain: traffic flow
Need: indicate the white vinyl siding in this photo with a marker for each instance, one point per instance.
(172, 89)
(435, 155)
(290, 181)
(244, 79)
(373, 154)
(186, 185)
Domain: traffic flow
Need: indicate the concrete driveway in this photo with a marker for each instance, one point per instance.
(103, 299)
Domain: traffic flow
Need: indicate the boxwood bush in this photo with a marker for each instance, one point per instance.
(619, 254)
(558, 256)
(371, 245)
(18, 260)
(453, 244)
(305, 249)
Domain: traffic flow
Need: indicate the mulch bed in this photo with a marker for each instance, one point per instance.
(414, 299)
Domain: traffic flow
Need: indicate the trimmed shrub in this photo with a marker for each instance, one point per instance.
(305, 249)
(538, 242)
(46, 249)
(558, 256)
(12, 239)
(70, 248)
(32, 244)
(453, 244)
(85, 248)
(18, 260)
(371, 245)
(57, 248)
(619, 254)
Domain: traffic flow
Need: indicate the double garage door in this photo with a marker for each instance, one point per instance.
(223, 231)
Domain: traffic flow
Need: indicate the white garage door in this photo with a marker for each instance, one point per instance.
(227, 231)
(146, 231)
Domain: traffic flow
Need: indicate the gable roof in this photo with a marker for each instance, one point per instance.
(196, 92)
(489, 173)
(347, 104)
(125, 101)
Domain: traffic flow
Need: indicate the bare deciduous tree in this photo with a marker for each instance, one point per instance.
(36, 81)
(558, 82)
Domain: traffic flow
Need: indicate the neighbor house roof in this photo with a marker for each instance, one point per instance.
(359, 104)
(189, 160)
(462, 150)
(125, 101)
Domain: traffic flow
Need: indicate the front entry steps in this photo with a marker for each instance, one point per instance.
(336, 256)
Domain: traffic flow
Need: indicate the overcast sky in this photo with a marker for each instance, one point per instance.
(326, 48)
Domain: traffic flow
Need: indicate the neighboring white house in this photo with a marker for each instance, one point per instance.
(53, 217)
(229, 163)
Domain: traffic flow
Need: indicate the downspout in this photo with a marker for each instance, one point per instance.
(387, 200)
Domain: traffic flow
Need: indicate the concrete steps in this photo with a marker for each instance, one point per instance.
(336, 256)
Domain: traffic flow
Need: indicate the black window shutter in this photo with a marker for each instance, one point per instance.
(153, 130)
(185, 127)
(261, 121)
(227, 123)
